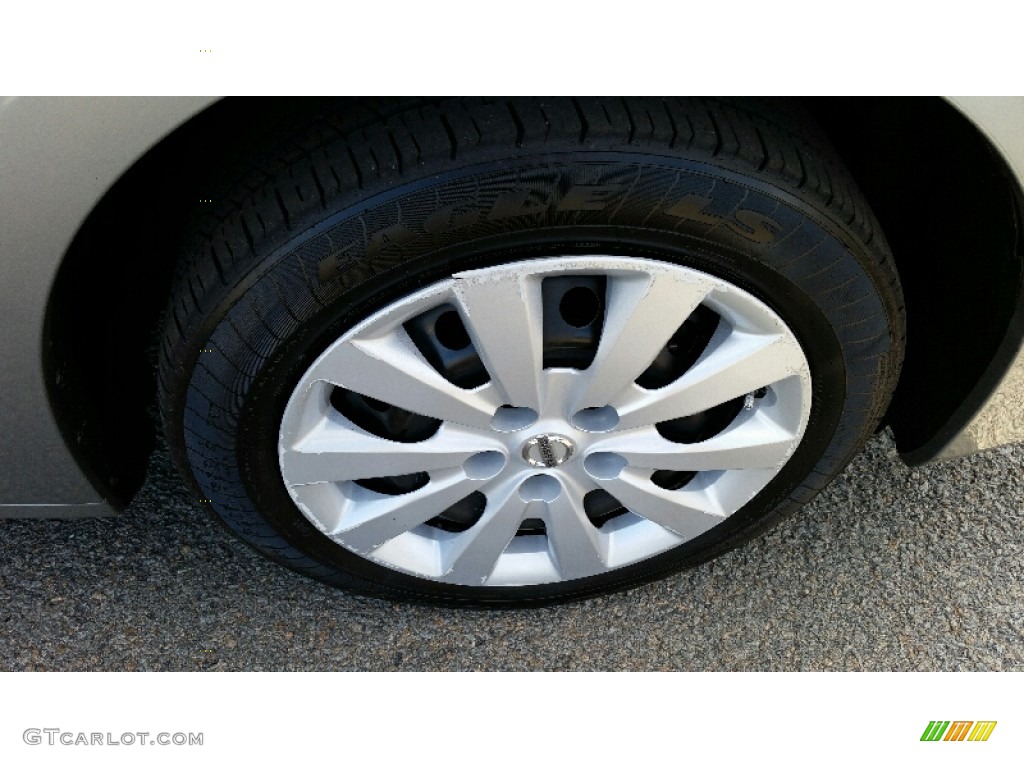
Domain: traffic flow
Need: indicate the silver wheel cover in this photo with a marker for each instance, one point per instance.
(539, 459)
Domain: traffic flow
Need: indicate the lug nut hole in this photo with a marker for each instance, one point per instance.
(600, 419)
(540, 488)
(509, 418)
(484, 466)
(604, 466)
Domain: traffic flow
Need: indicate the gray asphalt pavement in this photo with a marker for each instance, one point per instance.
(889, 569)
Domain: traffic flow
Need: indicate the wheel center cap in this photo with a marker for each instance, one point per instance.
(548, 450)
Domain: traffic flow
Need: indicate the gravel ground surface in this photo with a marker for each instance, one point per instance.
(889, 569)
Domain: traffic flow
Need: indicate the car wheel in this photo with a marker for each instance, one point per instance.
(501, 352)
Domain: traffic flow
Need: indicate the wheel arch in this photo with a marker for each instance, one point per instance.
(97, 354)
(950, 206)
(927, 215)
(126, 251)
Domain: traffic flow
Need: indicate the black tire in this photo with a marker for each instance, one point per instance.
(364, 207)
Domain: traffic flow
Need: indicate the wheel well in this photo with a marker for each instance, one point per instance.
(106, 306)
(941, 208)
(950, 210)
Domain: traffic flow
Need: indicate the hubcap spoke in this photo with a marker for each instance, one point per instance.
(688, 513)
(643, 311)
(391, 369)
(504, 318)
(738, 365)
(757, 442)
(471, 557)
(371, 523)
(574, 542)
(334, 452)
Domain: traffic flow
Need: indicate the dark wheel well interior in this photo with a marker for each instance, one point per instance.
(944, 198)
(950, 209)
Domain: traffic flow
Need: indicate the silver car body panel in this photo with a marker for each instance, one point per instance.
(1000, 419)
(59, 156)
